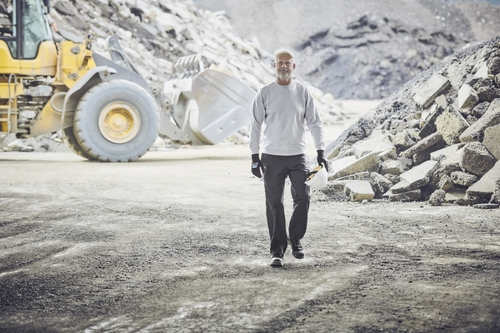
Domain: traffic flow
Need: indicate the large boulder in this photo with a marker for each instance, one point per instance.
(430, 90)
(476, 159)
(450, 125)
(485, 187)
(492, 140)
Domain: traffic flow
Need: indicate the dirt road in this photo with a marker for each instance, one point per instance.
(177, 242)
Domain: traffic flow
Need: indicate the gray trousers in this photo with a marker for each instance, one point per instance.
(276, 169)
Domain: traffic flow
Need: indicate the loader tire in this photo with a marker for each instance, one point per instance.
(70, 141)
(116, 121)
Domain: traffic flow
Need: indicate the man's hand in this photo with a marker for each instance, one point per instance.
(257, 166)
(321, 159)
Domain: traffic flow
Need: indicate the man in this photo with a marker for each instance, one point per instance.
(285, 107)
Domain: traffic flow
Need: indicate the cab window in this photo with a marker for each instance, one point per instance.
(35, 28)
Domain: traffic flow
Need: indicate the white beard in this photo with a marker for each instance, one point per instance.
(283, 75)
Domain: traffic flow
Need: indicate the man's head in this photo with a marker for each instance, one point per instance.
(284, 65)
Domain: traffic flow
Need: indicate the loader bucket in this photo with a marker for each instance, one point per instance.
(224, 105)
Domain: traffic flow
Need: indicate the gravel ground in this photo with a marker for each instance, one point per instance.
(177, 242)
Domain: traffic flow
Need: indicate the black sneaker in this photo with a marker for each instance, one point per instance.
(297, 248)
(277, 260)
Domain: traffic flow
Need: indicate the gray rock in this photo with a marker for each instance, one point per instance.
(421, 157)
(467, 200)
(492, 140)
(448, 155)
(402, 140)
(437, 198)
(471, 119)
(400, 187)
(378, 183)
(485, 186)
(441, 102)
(428, 125)
(447, 151)
(487, 94)
(377, 142)
(397, 125)
(482, 83)
(482, 71)
(405, 163)
(493, 65)
(471, 80)
(334, 148)
(408, 196)
(425, 114)
(413, 123)
(369, 162)
(358, 190)
(442, 171)
(455, 194)
(467, 97)
(463, 178)
(450, 125)
(486, 206)
(476, 159)
(479, 110)
(416, 177)
(388, 155)
(423, 144)
(346, 151)
(394, 179)
(391, 166)
(476, 131)
(445, 183)
(431, 88)
(334, 191)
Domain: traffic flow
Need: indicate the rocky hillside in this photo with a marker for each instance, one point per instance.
(363, 49)
(154, 34)
(368, 59)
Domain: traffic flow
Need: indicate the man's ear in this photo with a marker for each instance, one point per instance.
(293, 65)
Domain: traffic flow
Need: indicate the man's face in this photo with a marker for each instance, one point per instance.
(284, 66)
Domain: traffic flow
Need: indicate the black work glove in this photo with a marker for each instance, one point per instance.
(257, 166)
(321, 159)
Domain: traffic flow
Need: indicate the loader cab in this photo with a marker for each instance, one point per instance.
(26, 46)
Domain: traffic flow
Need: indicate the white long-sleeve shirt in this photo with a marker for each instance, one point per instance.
(283, 112)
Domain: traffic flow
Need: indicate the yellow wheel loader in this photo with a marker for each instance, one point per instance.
(104, 109)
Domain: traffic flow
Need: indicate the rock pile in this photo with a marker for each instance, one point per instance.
(435, 139)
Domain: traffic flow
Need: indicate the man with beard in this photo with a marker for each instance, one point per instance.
(283, 108)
